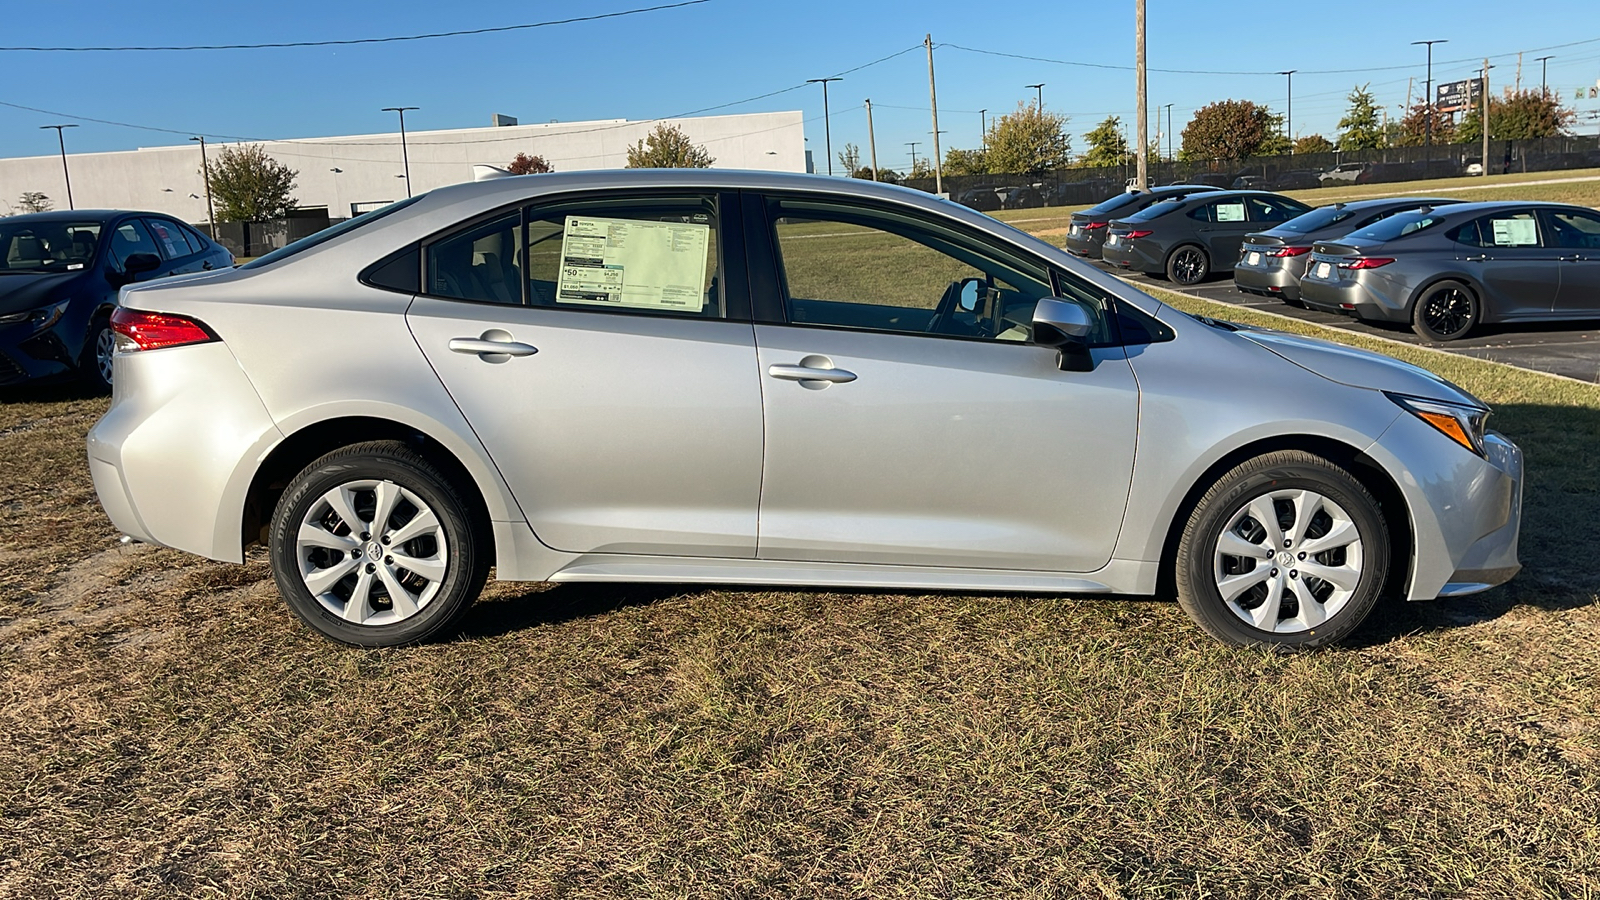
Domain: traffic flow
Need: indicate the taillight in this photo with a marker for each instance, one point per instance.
(1140, 234)
(1366, 262)
(1093, 225)
(1290, 251)
(137, 329)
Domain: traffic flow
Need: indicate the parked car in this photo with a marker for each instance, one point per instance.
(1447, 270)
(1272, 261)
(981, 199)
(1019, 197)
(1092, 190)
(1296, 180)
(1086, 233)
(59, 276)
(1193, 236)
(671, 375)
(1343, 172)
(1250, 182)
(1214, 179)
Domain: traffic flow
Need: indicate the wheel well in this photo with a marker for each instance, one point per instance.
(303, 447)
(1472, 288)
(1397, 515)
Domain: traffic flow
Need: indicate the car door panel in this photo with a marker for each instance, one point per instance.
(1518, 279)
(1576, 236)
(943, 452)
(1224, 238)
(622, 433)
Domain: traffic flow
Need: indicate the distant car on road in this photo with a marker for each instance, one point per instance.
(1087, 231)
(59, 276)
(1272, 261)
(1447, 270)
(1188, 238)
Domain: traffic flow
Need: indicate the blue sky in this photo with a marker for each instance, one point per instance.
(670, 62)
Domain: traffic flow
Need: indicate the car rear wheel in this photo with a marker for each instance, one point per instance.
(1446, 311)
(1286, 551)
(1188, 265)
(372, 545)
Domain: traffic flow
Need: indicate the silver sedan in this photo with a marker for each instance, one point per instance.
(763, 379)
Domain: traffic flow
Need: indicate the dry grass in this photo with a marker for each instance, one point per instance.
(169, 729)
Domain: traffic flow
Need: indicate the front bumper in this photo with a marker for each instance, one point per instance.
(30, 354)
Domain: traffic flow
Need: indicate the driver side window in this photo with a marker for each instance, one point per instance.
(880, 272)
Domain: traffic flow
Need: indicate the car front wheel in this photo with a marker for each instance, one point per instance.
(1286, 551)
(372, 545)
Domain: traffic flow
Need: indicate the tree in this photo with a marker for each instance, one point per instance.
(250, 186)
(1276, 143)
(1518, 116)
(667, 147)
(850, 159)
(1313, 143)
(33, 201)
(523, 164)
(1107, 145)
(1361, 128)
(1227, 129)
(966, 162)
(920, 169)
(1029, 141)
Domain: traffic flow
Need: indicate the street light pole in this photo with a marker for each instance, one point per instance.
(205, 175)
(1427, 140)
(405, 155)
(64, 174)
(1040, 88)
(1288, 128)
(827, 126)
(1544, 70)
(983, 128)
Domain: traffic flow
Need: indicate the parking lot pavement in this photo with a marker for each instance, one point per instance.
(1571, 349)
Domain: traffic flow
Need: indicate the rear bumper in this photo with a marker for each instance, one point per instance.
(1132, 255)
(1273, 282)
(1086, 244)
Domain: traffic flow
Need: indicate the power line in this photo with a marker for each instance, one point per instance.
(349, 41)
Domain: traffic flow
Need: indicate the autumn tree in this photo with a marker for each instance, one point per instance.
(667, 147)
(34, 201)
(1518, 116)
(966, 162)
(1227, 129)
(1361, 129)
(250, 186)
(1313, 143)
(523, 164)
(1029, 141)
(1107, 145)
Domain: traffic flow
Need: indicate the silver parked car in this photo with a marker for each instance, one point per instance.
(764, 379)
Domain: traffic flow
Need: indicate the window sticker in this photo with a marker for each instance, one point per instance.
(1230, 212)
(1515, 233)
(633, 263)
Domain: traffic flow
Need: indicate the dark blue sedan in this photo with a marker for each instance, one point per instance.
(59, 276)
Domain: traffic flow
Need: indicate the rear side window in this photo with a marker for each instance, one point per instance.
(482, 263)
(328, 234)
(1397, 225)
(1156, 210)
(1272, 209)
(1120, 201)
(1511, 229)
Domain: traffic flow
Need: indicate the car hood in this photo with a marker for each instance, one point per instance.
(1358, 368)
(22, 291)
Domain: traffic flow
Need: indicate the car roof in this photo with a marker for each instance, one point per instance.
(1478, 207)
(80, 215)
(1371, 202)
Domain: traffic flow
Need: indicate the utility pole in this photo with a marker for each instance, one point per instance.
(1040, 88)
(1142, 172)
(405, 155)
(983, 128)
(1544, 70)
(1169, 133)
(827, 126)
(65, 175)
(1288, 127)
(205, 171)
(933, 103)
(1483, 121)
(1427, 140)
(1519, 72)
(872, 141)
(913, 145)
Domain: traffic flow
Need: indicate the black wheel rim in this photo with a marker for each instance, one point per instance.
(1448, 312)
(1188, 266)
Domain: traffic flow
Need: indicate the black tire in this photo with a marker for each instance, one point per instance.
(1187, 265)
(1446, 311)
(94, 365)
(467, 562)
(1198, 561)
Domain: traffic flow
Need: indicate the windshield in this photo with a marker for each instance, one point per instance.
(47, 246)
(1317, 218)
(1112, 205)
(1398, 225)
(1155, 210)
(328, 234)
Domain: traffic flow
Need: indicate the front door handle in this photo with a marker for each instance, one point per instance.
(494, 346)
(1481, 257)
(811, 373)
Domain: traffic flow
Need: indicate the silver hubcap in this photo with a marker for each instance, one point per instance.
(1288, 561)
(372, 552)
(105, 344)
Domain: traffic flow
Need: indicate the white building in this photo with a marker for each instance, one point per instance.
(361, 172)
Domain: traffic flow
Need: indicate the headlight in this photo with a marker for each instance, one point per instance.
(1462, 424)
(41, 318)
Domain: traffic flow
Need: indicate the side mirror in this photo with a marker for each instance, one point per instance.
(139, 263)
(1066, 326)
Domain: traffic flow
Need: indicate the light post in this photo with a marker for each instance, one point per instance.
(1427, 139)
(983, 128)
(405, 156)
(63, 142)
(1288, 127)
(1040, 88)
(827, 126)
(205, 175)
(1544, 70)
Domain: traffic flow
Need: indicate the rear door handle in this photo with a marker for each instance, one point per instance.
(494, 345)
(810, 373)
